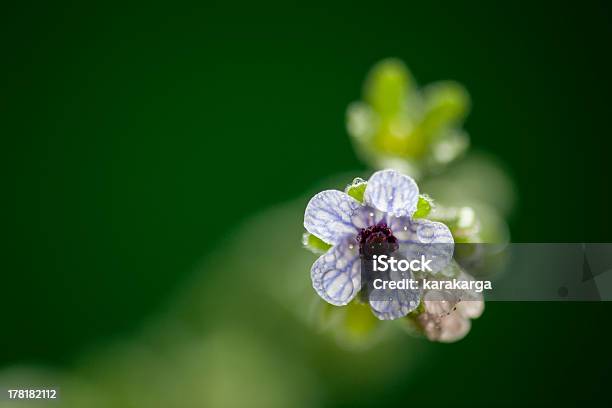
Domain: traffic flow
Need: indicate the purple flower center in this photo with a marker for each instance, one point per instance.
(376, 240)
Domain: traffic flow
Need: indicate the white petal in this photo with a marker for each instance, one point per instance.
(336, 275)
(328, 216)
(439, 303)
(471, 308)
(453, 327)
(392, 192)
(472, 302)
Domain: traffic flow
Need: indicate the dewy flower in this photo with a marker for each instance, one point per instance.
(382, 224)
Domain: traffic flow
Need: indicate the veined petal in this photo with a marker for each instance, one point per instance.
(432, 232)
(392, 192)
(422, 237)
(402, 302)
(391, 304)
(419, 231)
(336, 275)
(328, 216)
(367, 216)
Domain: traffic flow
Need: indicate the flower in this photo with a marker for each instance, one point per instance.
(382, 224)
(447, 314)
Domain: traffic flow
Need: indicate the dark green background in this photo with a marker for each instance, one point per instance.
(138, 136)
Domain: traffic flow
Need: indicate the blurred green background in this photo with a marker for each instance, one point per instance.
(139, 138)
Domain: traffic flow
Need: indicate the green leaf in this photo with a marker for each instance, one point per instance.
(315, 244)
(423, 207)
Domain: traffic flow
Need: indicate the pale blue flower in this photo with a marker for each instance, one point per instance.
(383, 223)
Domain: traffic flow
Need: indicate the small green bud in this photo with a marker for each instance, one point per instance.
(387, 87)
(446, 104)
